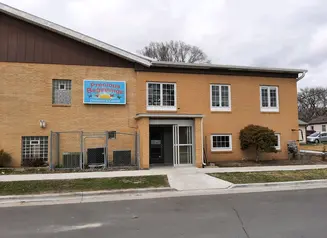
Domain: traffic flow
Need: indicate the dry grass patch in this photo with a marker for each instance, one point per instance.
(272, 176)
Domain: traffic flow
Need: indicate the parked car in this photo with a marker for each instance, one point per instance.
(317, 137)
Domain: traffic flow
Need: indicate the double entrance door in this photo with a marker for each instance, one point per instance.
(182, 145)
(171, 142)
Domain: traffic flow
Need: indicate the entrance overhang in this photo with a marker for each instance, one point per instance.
(159, 115)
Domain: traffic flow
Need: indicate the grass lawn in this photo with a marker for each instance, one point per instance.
(273, 176)
(46, 170)
(78, 185)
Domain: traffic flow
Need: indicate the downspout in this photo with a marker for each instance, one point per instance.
(203, 164)
(302, 75)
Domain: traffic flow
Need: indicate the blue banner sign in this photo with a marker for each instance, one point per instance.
(104, 92)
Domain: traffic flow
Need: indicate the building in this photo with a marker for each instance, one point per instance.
(302, 132)
(318, 124)
(61, 89)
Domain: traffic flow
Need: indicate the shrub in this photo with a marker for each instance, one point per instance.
(33, 162)
(262, 139)
(5, 158)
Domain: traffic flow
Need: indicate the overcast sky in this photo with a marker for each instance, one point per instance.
(275, 33)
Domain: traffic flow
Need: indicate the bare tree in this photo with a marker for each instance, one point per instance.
(312, 102)
(175, 51)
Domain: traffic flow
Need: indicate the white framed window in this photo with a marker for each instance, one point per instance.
(220, 97)
(323, 128)
(161, 96)
(269, 101)
(277, 145)
(221, 142)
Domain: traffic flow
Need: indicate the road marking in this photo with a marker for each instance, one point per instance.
(74, 228)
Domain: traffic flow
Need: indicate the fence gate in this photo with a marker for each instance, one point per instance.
(89, 150)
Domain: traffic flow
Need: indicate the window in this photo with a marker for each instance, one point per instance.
(161, 96)
(323, 128)
(35, 147)
(221, 142)
(269, 99)
(220, 99)
(61, 92)
(277, 145)
(312, 128)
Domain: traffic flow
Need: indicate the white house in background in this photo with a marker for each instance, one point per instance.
(302, 132)
(318, 124)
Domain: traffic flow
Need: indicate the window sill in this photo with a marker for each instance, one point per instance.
(273, 110)
(221, 151)
(61, 105)
(213, 109)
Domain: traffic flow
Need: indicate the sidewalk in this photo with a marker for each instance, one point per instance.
(153, 171)
(185, 181)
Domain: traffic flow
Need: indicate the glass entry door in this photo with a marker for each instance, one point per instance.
(182, 145)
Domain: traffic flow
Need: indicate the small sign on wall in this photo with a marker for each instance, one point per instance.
(104, 92)
(155, 142)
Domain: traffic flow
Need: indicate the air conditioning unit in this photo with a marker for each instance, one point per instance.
(71, 160)
(122, 157)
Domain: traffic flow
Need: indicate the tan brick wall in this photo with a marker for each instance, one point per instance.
(198, 142)
(144, 130)
(26, 98)
(193, 97)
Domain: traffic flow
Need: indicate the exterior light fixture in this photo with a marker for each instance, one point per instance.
(43, 124)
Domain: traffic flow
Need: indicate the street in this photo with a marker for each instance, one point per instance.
(290, 214)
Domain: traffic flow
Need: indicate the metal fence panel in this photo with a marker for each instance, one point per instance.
(84, 150)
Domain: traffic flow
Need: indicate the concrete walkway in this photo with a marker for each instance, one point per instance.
(184, 178)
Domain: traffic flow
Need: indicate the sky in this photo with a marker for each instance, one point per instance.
(269, 33)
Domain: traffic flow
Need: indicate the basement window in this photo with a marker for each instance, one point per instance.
(35, 147)
(221, 142)
(277, 145)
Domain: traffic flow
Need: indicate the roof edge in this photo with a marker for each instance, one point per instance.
(228, 67)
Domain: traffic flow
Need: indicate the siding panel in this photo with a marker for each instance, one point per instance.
(26, 43)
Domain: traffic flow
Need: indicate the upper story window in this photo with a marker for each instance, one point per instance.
(269, 99)
(161, 96)
(61, 92)
(220, 97)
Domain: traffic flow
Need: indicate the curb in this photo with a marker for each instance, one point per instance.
(281, 184)
(74, 195)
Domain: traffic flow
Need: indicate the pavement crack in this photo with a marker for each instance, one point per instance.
(241, 221)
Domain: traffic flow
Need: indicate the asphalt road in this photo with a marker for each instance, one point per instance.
(291, 214)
